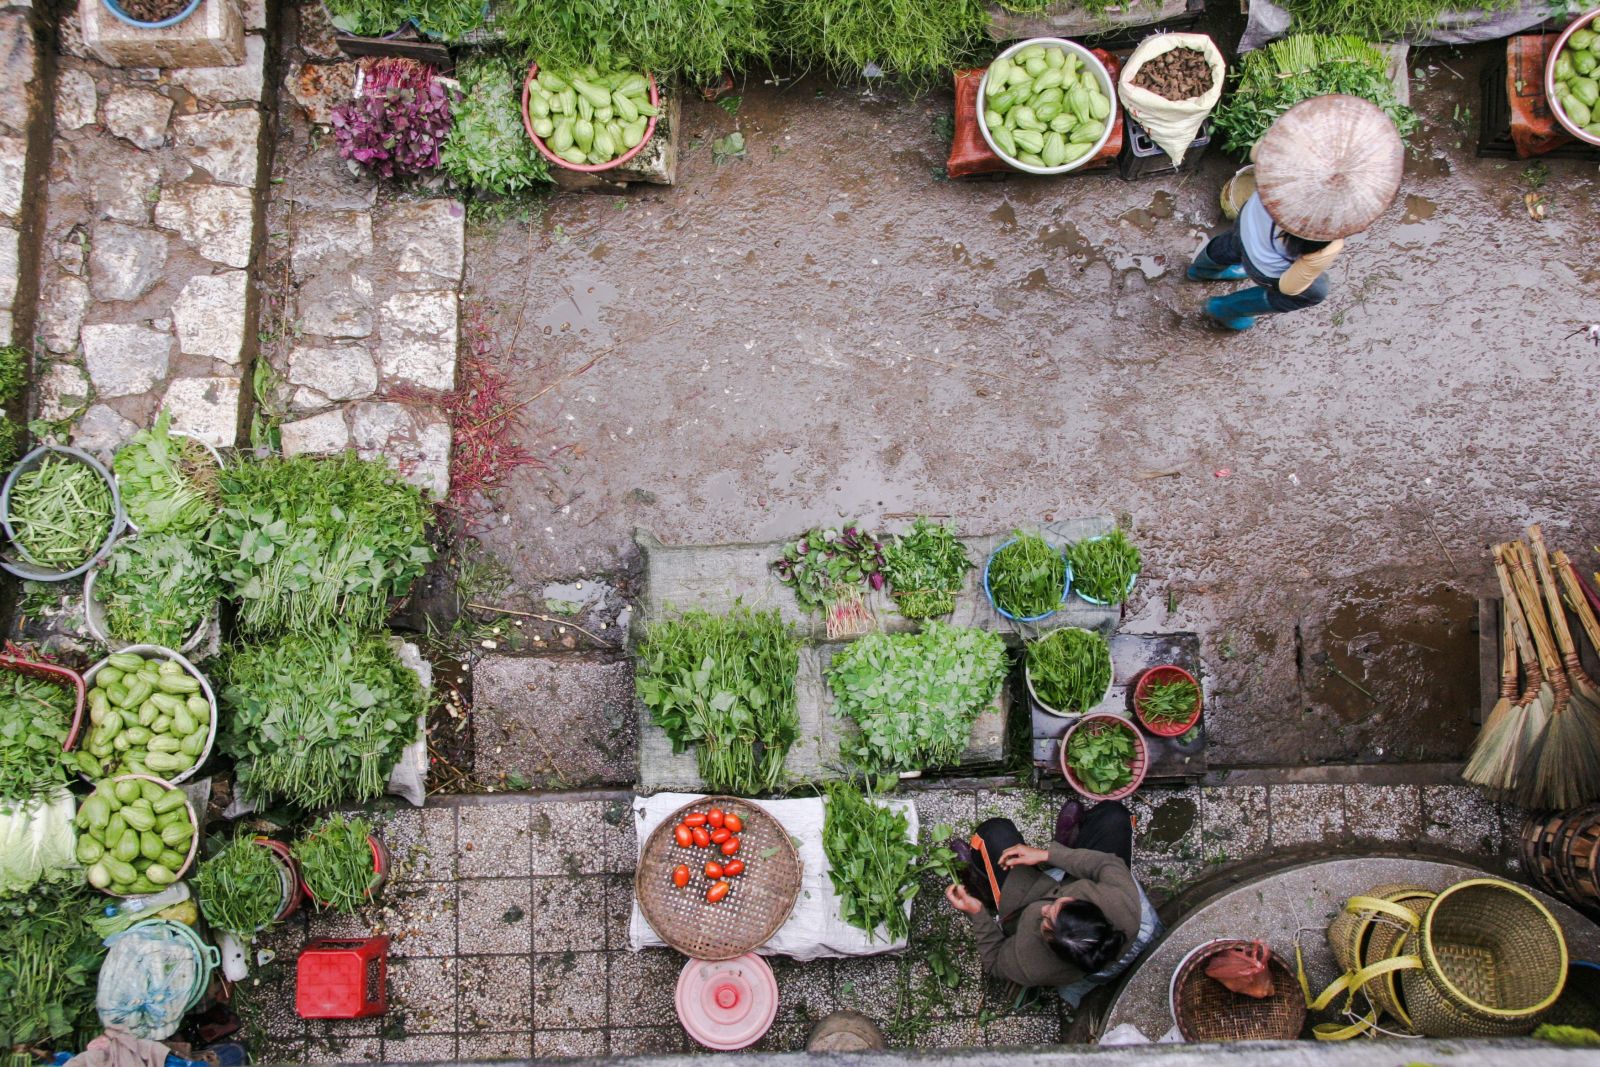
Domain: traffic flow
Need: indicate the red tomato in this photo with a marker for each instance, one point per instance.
(680, 875)
(730, 846)
(683, 835)
(714, 870)
(733, 822)
(715, 818)
(733, 868)
(696, 819)
(717, 892)
(701, 838)
(719, 836)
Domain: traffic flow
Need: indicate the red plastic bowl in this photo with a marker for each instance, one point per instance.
(1140, 763)
(587, 168)
(1166, 675)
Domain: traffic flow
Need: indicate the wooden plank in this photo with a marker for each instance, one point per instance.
(408, 47)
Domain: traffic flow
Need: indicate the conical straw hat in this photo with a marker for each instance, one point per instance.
(1329, 167)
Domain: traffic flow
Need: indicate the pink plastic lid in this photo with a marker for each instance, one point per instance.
(727, 1005)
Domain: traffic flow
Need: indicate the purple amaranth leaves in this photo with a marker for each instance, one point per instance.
(394, 131)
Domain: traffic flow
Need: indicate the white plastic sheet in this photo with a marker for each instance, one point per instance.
(814, 928)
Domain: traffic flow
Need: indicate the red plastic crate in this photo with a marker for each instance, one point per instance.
(343, 979)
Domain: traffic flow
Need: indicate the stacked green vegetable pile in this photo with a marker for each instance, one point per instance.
(318, 718)
(1103, 568)
(35, 719)
(1378, 20)
(47, 972)
(168, 483)
(309, 543)
(589, 117)
(915, 697)
(157, 589)
(241, 887)
(136, 835)
(1069, 669)
(724, 684)
(336, 862)
(149, 716)
(873, 863)
(1027, 578)
(1273, 79)
(488, 149)
(699, 39)
(1044, 107)
(925, 569)
(1577, 78)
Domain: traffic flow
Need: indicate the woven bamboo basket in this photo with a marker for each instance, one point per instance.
(1351, 928)
(760, 901)
(1207, 1010)
(1389, 939)
(1577, 855)
(1494, 960)
(1538, 837)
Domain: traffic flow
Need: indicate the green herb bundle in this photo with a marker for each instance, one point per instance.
(241, 887)
(724, 684)
(1273, 79)
(35, 718)
(915, 696)
(1100, 753)
(1070, 668)
(1379, 20)
(367, 18)
(48, 970)
(1169, 703)
(61, 512)
(1028, 577)
(444, 20)
(13, 379)
(925, 568)
(1104, 567)
(167, 483)
(318, 719)
(336, 862)
(488, 149)
(157, 589)
(307, 543)
(917, 41)
(700, 41)
(873, 863)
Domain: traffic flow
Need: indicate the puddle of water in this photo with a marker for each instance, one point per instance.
(1171, 822)
(1005, 215)
(1145, 218)
(578, 309)
(1065, 236)
(1418, 208)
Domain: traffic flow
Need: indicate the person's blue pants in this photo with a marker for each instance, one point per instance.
(1227, 248)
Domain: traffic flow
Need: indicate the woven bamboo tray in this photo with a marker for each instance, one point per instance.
(761, 899)
(1207, 1010)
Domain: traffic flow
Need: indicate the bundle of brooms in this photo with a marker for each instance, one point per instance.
(1540, 745)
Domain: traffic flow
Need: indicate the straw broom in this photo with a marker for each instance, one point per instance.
(1565, 763)
(1554, 694)
(1490, 763)
(1585, 707)
(1500, 756)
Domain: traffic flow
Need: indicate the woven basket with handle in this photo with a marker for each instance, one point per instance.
(760, 901)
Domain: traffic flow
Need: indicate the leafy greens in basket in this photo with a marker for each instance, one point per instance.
(167, 482)
(157, 588)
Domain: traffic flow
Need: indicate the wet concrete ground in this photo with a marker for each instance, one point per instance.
(826, 328)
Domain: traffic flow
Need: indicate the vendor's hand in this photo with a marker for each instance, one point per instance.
(1023, 856)
(961, 900)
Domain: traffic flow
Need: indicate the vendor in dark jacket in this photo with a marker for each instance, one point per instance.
(1047, 932)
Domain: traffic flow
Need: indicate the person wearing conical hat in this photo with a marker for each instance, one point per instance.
(1326, 169)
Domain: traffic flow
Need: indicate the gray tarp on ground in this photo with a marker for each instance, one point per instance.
(1268, 21)
(715, 577)
(1070, 20)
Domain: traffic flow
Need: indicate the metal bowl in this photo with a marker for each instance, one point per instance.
(1590, 21)
(1088, 59)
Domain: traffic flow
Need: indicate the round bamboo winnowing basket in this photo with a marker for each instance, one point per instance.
(1207, 1010)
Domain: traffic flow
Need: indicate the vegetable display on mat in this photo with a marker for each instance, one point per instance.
(826, 568)
(724, 684)
(589, 118)
(488, 149)
(873, 863)
(1273, 79)
(147, 715)
(336, 862)
(1101, 754)
(134, 835)
(240, 888)
(1577, 78)
(397, 124)
(157, 589)
(1070, 668)
(1044, 107)
(37, 844)
(318, 719)
(308, 542)
(35, 720)
(925, 568)
(168, 483)
(1104, 567)
(1028, 577)
(61, 512)
(1169, 703)
(47, 972)
(915, 696)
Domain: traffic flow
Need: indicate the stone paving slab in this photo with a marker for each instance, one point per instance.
(554, 722)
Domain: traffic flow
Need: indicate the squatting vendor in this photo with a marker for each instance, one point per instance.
(1327, 168)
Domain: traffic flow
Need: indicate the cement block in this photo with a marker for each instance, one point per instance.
(212, 37)
(559, 721)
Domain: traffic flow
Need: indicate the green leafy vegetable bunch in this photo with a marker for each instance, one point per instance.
(1028, 577)
(1103, 568)
(35, 718)
(157, 588)
(241, 887)
(48, 971)
(168, 482)
(336, 862)
(1070, 668)
(1101, 754)
(925, 568)
(873, 863)
(488, 149)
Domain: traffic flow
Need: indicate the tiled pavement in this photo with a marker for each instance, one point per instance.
(509, 921)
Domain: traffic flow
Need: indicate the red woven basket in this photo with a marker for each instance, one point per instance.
(1165, 675)
(1139, 765)
(13, 659)
(587, 168)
